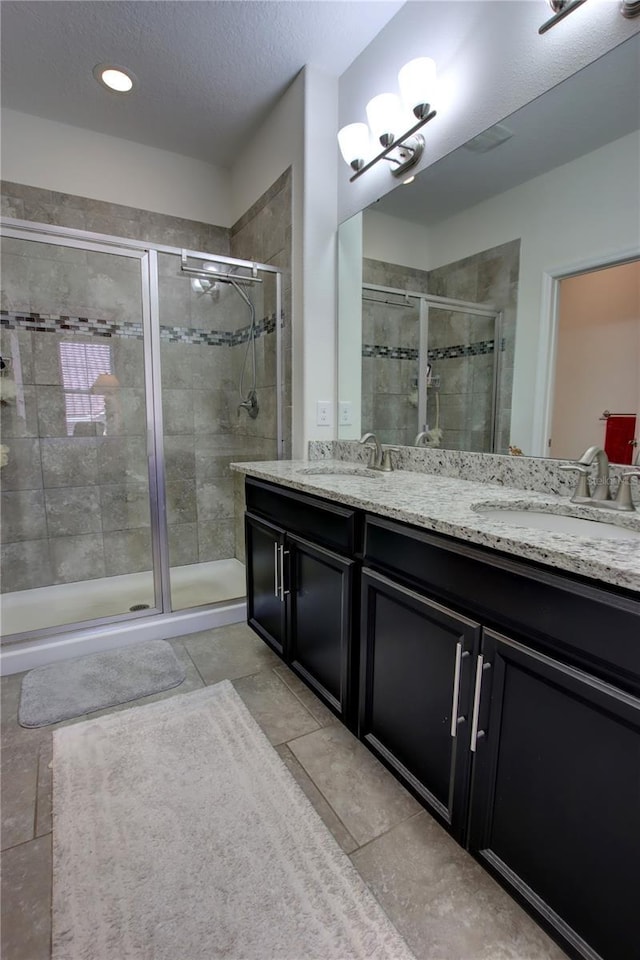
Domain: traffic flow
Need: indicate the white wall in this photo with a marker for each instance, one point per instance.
(350, 253)
(56, 156)
(582, 211)
(394, 240)
(319, 254)
(490, 59)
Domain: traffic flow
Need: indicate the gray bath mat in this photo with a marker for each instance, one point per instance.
(75, 687)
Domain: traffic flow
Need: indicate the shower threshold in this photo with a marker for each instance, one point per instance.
(192, 585)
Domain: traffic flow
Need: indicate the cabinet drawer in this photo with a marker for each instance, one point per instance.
(325, 523)
(592, 627)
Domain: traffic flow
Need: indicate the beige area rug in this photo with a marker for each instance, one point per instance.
(180, 835)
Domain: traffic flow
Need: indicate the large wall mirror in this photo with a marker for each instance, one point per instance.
(493, 304)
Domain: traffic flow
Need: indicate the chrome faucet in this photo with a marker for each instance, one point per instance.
(423, 435)
(601, 497)
(379, 459)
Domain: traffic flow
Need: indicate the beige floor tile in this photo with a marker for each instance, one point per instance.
(316, 707)
(442, 902)
(44, 796)
(18, 781)
(364, 795)
(13, 735)
(228, 653)
(318, 802)
(274, 707)
(26, 901)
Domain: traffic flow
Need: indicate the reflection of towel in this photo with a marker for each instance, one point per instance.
(618, 435)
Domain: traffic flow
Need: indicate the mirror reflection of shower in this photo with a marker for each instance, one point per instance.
(210, 282)
(430, 366)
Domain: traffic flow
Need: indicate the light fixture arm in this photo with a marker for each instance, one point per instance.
(414, 148)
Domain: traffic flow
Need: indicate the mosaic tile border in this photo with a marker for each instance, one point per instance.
(478, 349)
(93, 326)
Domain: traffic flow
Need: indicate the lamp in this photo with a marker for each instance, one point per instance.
(354, 144)
(385, 113)
(561, 9)
(417, 81)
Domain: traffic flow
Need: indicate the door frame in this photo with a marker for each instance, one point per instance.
(548, 339)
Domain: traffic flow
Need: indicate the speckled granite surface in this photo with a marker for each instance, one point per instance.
(445, 505)
(525, 473)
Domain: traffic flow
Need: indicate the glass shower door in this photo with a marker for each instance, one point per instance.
(76, 536)
(220, 377)
(460, 394)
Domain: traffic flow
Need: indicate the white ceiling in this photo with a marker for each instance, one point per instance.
(207, 71)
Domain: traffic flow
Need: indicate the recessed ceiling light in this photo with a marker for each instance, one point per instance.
(115, 78)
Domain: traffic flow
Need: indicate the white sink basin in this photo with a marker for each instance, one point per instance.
(558, 523)
(344, 470)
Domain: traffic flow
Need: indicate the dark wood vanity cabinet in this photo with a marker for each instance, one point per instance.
(504, 694)
(300, 588)
(555, 799)
(415, 690)
(544, 786)
(265, 561)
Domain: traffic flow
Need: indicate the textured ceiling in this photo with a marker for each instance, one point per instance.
(207, 72)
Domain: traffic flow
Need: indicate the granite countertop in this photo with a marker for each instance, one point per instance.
(445, 505)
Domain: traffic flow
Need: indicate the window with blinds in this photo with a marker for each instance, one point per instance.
(81, 365)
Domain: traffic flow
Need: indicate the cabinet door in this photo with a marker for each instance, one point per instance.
(415, 693)
(265, 589)
(320, 602)
(555, 808)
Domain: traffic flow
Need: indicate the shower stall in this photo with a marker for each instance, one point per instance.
(132, 375)
(430, 365)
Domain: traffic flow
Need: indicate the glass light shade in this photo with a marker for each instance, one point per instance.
(354, 142)
(383, 114)
(417, 82)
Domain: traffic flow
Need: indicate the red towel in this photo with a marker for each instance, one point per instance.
(618, 434)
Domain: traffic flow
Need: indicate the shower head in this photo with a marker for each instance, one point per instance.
(202, 286)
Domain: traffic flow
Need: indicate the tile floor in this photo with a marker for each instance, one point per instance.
(441, 901)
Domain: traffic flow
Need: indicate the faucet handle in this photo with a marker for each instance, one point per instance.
(624, 500)
(582, 491)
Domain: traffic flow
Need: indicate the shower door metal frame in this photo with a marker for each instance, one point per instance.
(146, 253)
(426, 301)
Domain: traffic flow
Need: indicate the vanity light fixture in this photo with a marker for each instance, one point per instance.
(385, 113)
(561, 9)
(114, 78)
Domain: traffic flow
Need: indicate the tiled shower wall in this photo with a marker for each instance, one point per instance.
(490, 276)
(461, 350)
(76, 508)
(390, 342)
(264, 233)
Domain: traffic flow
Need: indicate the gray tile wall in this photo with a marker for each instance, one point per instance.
(490, 276)
(389, 384)
(264, 233)
(77, 508)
